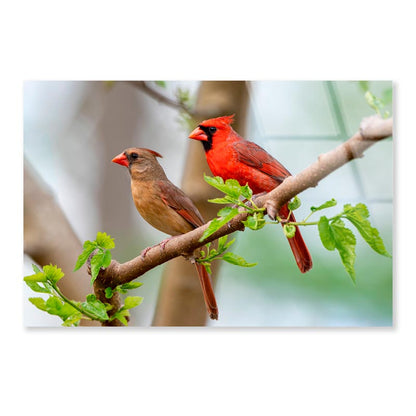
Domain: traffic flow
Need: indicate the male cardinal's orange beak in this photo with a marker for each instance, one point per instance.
(198, 134)
(121, 159)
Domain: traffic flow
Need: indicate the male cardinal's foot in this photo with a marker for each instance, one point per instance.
(271, 210)
(258, 195)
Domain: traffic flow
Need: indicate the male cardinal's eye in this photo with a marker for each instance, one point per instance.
(134, 155)
(212, 129)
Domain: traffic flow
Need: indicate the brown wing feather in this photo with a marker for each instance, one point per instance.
(180, 202)
(255, 156)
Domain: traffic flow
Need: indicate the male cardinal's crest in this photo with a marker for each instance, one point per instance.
(224, 119)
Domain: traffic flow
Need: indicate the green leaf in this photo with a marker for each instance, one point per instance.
(73, 320)
(106, 259)
(358, 217)
(327, 204)
(129, 286)
(105, 241)
(237, 260)
(345, 244)
(95, 307)
(122, 288)
(246, 192)
(225, 200)
(132, 301)
(89, 247)
(161, 84)
(326, 234)
(37, 277)
(96, 263)
(294, 204)
(230, 187)
(233, 188)
(40, 303)
(255, 221)
(121, 315)
(289, 230)
(38, 288)
(36, 268)
(226, 211)
(376, 103)
(223, 244)
(230, 243)
(55, 306)
(53, 273)
(215, 181)
(226, 214)
(213, 253)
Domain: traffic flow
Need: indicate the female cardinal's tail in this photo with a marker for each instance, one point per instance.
(207, 290)
(298, 246)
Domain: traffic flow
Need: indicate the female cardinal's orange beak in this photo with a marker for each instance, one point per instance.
(121, 159)
(198, 134)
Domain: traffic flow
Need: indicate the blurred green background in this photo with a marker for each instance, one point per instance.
(73, 129)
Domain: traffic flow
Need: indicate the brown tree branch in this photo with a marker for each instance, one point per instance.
(372, 129)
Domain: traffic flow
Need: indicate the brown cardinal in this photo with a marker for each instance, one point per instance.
(230, 156)
(164, 206)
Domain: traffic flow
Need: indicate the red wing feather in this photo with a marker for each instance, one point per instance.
(180, 202)
(253, 155)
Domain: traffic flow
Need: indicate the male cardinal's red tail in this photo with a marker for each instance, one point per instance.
(298, 246)
(207, 290)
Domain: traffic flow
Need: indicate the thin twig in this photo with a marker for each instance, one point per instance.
(162, 98)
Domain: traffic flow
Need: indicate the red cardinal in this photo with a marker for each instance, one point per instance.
(230, 156)
(164, 206)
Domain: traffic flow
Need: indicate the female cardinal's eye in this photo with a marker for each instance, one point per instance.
(212, 129)
(134, 155)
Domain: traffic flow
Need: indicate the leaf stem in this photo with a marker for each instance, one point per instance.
(74, 305)
(306, 218)
(303, 223)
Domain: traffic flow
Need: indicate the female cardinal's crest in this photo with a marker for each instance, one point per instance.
(156, 154)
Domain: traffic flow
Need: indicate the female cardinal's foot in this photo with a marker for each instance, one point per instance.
(162, 245)
(144, 252)
(164, 242)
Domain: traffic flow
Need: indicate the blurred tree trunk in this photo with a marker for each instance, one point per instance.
(180, 300)
(49, 238)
